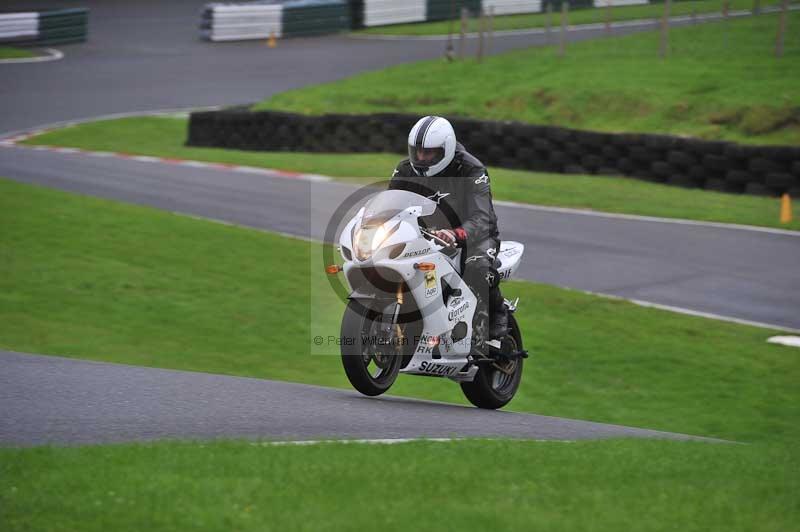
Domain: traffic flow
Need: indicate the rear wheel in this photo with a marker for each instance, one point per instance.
(496, 384)
(371, 349)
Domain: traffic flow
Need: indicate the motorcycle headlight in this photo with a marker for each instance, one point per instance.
(368, 240)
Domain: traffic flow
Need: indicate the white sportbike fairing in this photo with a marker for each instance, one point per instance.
(409, 310)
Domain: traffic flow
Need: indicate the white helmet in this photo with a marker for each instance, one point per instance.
(431, 145)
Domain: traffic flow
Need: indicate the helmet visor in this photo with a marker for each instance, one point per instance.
(425, 157)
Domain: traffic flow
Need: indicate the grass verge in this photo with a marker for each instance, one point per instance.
(471, 485)
(8, 52)
(580, 16)
(101, 280)
(721, 81)
(165, 137)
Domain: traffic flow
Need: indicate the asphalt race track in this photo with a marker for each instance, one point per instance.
(744, 274)
(58, 400)
(146, 55)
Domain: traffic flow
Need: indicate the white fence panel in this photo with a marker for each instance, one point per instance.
(19, 25)
(241, 22)
(617, 3)
(512, 7)
(382, 12)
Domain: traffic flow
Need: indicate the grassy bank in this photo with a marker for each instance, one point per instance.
(605, 486)
(721, 81)
(8, 52)
(101, 280)
(165, 137)
(579, 16)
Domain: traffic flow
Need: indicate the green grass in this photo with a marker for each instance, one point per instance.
(722, 81)
(471, 485)
(579, 16)
(8, 52)
(165, 137)
(95, 279)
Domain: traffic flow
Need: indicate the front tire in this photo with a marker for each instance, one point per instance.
(370, 368)
(492, 387)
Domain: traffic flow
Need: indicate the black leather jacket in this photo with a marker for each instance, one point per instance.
(462, 191)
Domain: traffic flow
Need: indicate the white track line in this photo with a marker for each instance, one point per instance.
(700, 17)
(690, 312)
(52, 55)
(640, 218)
(378, 441)
(248, 227)
(393, 441)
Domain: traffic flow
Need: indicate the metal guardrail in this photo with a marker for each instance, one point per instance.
(262, 20)
(276, 18)
(41, 28)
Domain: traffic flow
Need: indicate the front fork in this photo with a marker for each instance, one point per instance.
(398, 330)
(387, 330)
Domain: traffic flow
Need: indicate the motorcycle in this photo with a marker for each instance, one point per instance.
(409, 311)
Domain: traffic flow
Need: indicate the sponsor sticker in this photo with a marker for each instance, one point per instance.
(417, 253)
(457, 310)
(431, 287)
(432, 368)
(426, 345)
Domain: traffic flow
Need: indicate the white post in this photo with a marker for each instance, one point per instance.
(481, 31)
(448, 51)
(562, 47)
(781, 29)
(462, 41)
(665, 30)
(491, 30)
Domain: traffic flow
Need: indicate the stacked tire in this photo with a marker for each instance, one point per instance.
(677, 161)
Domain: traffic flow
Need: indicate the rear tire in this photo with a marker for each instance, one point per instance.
(358, 357)
(492, 388)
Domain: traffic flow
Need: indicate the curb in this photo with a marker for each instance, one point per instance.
(51, 55)
(229, 167)
(13, 140)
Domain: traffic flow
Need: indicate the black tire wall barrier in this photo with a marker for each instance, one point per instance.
(686, 162)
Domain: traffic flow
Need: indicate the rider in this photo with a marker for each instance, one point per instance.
(441, 169)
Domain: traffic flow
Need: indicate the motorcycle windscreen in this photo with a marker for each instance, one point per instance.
(384, 205)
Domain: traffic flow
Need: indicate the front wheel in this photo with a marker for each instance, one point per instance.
(495, 385)
(371, 349)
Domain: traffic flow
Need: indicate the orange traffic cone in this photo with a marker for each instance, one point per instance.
(786, 209)
(272, 42)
